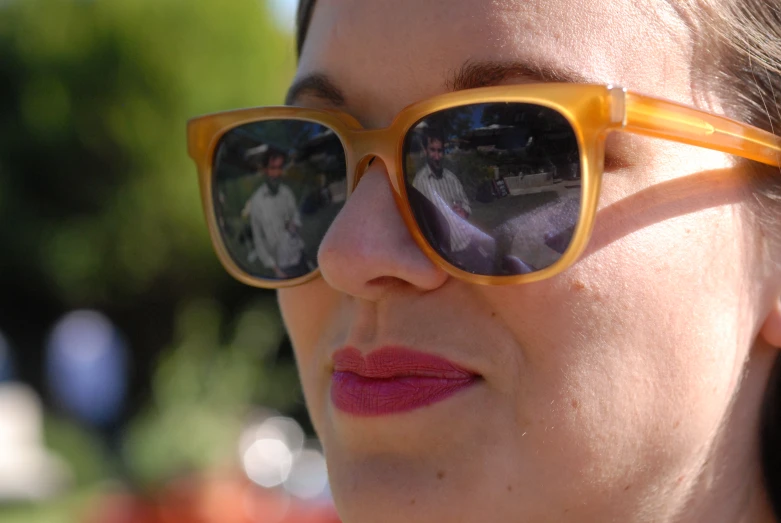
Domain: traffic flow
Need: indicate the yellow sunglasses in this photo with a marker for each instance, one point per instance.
(497, 185)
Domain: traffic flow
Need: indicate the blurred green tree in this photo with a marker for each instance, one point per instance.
(99, 204)
(98, 201)
(204, 390)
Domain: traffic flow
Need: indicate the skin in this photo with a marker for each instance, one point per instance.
(276, 167)
(434, 152)
(626, 388)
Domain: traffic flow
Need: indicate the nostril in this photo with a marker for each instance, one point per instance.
(386, 282)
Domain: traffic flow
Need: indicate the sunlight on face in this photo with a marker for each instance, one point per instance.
(599, 390)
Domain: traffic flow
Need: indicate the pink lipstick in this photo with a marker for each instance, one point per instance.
(392, 380)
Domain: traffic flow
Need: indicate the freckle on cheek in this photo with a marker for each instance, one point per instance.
(578, 285)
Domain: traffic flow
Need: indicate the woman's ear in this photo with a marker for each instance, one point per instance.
(771, 329)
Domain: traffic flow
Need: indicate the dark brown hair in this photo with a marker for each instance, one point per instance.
(271, 153)
(737, 51)
(303, 17)
(433, 134)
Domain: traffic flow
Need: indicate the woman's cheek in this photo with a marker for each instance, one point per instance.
(309, 313)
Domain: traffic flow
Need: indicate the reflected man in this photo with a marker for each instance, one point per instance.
(442, 188)
(274, 217)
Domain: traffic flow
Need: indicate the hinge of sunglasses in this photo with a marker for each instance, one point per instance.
(617, 105)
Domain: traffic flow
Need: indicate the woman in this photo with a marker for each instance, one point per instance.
(614, 374)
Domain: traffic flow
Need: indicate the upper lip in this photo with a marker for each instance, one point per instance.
(397, 362)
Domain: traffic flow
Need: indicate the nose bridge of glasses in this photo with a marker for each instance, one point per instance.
(366, 145)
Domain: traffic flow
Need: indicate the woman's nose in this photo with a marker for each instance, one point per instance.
(368, 249)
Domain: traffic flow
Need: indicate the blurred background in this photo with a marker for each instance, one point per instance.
(138, 382)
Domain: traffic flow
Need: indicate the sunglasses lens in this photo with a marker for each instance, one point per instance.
(277, 186)
(495, 188)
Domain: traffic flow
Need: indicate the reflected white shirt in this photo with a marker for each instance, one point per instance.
(270, 216)
(445, 192)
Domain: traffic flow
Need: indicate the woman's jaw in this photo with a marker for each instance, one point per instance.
(601, 392)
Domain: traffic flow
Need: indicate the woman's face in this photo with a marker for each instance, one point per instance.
(604, 391)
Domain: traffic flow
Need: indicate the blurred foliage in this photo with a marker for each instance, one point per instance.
(202, 391)
(99, 208)
(88, 458)
(97, 196)
(69, 509)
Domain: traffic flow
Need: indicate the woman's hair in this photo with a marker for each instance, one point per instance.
(738, 59)
(304, 15)
(737, 52)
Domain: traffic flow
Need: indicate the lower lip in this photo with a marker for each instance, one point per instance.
(361, 396)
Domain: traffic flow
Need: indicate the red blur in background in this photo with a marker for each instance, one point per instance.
(213, 499)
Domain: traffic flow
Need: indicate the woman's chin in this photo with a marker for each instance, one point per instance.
(389, 489)
(447, 463)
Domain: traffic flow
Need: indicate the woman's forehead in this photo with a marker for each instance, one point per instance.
(408, 49)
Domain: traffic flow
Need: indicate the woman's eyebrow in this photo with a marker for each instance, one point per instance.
(470, 75)
(316, 84)
(473, 74)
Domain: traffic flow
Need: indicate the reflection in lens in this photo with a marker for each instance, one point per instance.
(277, 186)
(495, 188)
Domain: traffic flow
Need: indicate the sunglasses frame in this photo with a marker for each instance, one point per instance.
(593, 111)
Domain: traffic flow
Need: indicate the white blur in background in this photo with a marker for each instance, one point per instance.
(284, 13)
(28, 471)
(275, 454)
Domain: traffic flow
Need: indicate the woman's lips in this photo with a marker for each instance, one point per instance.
(393, 379)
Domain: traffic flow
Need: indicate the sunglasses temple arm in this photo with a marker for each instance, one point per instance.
(671, 121)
